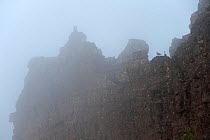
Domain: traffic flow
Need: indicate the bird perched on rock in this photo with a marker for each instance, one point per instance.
(165, 53)
(158, 53)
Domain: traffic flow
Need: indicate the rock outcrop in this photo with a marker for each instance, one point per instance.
(203, 7)
(81, 95)
(134, 46)
(176, 43)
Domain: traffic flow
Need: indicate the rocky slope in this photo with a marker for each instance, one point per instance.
(81, 95)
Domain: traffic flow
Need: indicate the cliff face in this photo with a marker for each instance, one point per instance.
(82, 95)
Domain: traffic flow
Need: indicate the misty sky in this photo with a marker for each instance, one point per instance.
(30, 28)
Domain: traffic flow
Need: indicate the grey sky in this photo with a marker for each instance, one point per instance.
(31, 28)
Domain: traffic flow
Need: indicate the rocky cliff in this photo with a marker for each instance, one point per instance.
(81, 95)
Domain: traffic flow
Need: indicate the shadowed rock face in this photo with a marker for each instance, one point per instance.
(133, 46)
(80, 94)
(176, 43)
(203, 6)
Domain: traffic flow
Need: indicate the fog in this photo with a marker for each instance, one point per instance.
(30, 28)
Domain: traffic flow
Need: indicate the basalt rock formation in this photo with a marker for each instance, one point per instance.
(81, 95)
